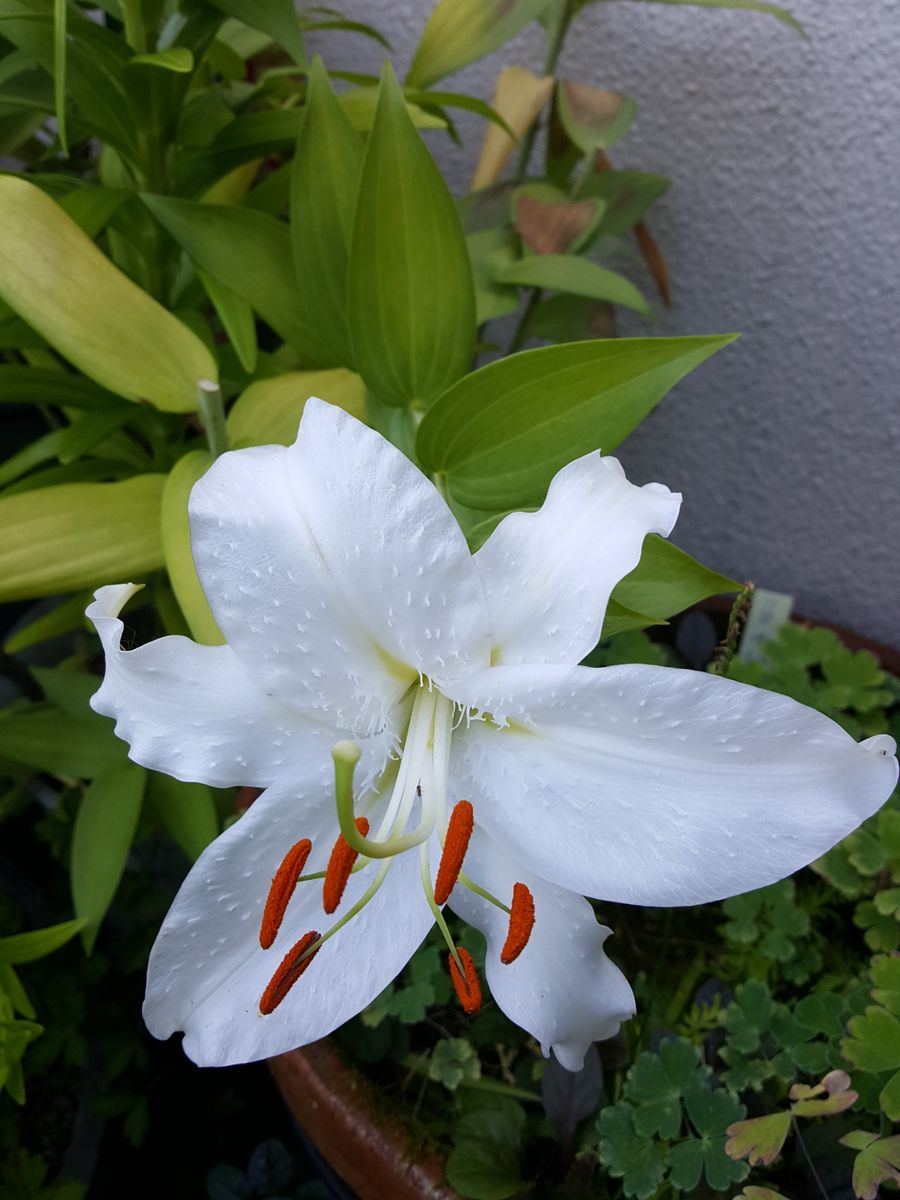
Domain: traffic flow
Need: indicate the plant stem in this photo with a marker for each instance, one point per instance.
(554, 48)
(212, 414)
(809, 1161)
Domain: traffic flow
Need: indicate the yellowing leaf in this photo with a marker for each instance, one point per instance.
(176, 540)
(79, 535)
(760, 1139)
(460, 31)
(518, 97)
(594, 118)
(268, 411)
(58, 281)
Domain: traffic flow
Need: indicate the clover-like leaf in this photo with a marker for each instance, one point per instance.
(711, 1113)
(874, 1041)
(628, 1155)
(885, 972)
(760, 1139)
(452, 1061)
(658, 1082)
(749, 1016)
(877, 1162)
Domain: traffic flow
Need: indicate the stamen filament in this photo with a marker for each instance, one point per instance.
(466, 981)
(281, 890)
(441, 923)
(340, 864)
(521, 923)
(289, 971)
(357, 908)
(456, 843)
(478, 890)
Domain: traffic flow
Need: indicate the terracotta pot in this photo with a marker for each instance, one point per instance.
(344, 1117)
(343, 1114)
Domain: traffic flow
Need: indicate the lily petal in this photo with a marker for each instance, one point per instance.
(562, 988)
(548, 575)
(336, 571)
(207, 971)
(193, 711)
(651, 785)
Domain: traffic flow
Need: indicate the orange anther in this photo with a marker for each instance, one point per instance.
(521, 923)
(281, 889)
(456, 843)
(289, 971)
(343, 856)
(468, 987)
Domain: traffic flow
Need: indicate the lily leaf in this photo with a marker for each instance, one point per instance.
(594, 118)
(176, 540)
(187, 811)
(519, 97)
(268, 412)
(410, 297)
(577, 277)
(460, 31)
(37, 943)
(79, 535)
(278, 18)
(325, 175)
(502, 432)
(104, 830)
(54, 276)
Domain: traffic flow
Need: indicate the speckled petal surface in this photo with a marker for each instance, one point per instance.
(548, 575)
(193, 711)
(336, 571)
(562, 988)
(207, 970)
(651, 785)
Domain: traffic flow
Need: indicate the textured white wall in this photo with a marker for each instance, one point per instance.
(783, 222)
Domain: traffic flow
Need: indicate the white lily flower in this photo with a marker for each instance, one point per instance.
(354, 612)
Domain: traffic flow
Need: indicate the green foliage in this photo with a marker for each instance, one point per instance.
(452, 1062)
(670, 1125)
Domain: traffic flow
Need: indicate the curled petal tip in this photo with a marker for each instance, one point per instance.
(881, 743)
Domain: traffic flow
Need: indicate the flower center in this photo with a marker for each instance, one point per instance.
(420, 791)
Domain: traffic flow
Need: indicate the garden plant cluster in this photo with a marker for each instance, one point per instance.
(202, 224)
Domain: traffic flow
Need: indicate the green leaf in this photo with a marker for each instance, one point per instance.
(656, 1084)
(576, 276)
(236, 316)
(268, 412)
(874, 1041)
(18, 997)
(45, 740)
(79, 535)
(222, 240)
(278, 18)
(410, 297)
(889, 1098)
(88, 430)
(59, 71)
(54, 276)
(502, 433)
(667, 581)
(176, 541)
(177, 59)
(885, 972)
(38, 943)
(325, 175)
(69, 691)
(187, 812)
(627, 196)
(619, 619)
(43, 385)
(452, 1061)
(760, 1139)
(485, 1170)
(628, 1155)
(489, 251)
(760, 6)
(104, 829)
(460, 31)
(63, 618)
